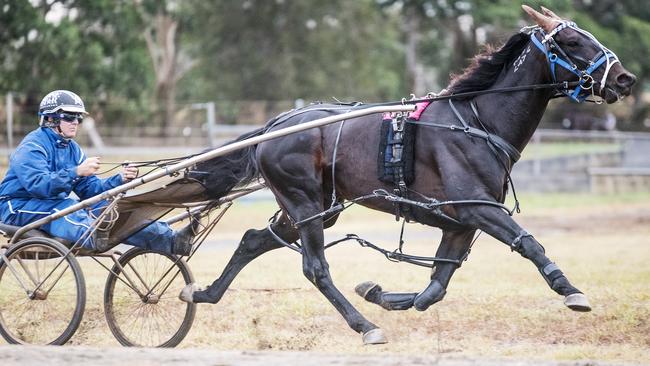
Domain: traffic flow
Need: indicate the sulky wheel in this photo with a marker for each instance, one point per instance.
(42, 293)
(141, 299)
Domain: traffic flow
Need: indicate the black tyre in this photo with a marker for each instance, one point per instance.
(148, 317)
(42, 295)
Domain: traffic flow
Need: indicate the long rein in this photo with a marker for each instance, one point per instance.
(431, 97)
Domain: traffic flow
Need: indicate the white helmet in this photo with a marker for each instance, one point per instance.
(60, 101)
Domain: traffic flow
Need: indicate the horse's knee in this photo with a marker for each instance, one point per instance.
(527, 246)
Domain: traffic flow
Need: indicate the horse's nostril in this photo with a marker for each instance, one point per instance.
(625, 79)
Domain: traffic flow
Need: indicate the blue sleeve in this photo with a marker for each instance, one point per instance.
(33, 172)
(86, 187)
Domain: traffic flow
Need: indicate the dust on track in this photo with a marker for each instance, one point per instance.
(71, 356)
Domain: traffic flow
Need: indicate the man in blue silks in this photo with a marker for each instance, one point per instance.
(49, 165)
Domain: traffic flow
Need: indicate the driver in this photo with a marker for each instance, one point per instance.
(49, 165)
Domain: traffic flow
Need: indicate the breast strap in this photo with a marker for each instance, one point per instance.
(491, 138)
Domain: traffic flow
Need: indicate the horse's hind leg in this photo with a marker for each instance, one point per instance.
(454, 246)
(316, 269)
(302, 203)
(253, 244)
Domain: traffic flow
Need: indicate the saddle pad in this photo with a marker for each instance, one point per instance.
(387, 167)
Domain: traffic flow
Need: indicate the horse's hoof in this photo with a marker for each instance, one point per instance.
(187, 293)
(577, 302)
(364, 288)
(374, 336)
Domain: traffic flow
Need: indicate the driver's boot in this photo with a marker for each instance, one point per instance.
(101, 241)
(183, 238)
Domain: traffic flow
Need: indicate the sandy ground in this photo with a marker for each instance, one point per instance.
(67, 356)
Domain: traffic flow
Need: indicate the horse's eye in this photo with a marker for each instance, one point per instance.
(572, 44)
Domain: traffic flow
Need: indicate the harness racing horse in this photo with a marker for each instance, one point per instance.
(464, 150)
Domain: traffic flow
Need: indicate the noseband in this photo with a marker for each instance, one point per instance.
(556, 56)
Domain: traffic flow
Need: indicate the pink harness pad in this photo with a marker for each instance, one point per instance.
(415, 115)
(420, 107)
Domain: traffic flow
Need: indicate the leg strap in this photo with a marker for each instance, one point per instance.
(549, 268)
(516, 244)
(550, 273)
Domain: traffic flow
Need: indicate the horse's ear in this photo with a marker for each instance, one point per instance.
(550, 13)
(542, 20)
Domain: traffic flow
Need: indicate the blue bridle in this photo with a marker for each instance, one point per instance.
(556, 56)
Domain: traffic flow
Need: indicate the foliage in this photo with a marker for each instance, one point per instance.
(273, 50)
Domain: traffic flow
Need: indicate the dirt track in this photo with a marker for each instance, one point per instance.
(596, 222)
(69, 356)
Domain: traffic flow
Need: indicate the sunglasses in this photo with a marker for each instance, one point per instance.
(70, 117)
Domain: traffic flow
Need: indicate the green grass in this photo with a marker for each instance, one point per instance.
(568, 201)
(555, 149)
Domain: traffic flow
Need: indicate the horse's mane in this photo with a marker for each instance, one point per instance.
(488, 65)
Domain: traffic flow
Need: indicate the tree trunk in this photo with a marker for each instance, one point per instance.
(161, 42)
(414, 69)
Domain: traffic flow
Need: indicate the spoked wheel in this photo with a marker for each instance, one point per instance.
(141, 299)
(42, 294)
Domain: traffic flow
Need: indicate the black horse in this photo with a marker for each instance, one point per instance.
(451, 164)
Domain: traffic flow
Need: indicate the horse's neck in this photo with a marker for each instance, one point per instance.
(515, 116)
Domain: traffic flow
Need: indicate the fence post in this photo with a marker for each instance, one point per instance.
(211, 122)
(90, 127)
(210, 119)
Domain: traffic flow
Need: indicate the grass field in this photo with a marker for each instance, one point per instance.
(554, 149)
(497, 304)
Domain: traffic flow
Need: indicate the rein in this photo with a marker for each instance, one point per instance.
(431, 97)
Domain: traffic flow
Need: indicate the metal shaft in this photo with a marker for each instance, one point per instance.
(223, 150)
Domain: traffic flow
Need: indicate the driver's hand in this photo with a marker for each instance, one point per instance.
(89, 167)
(129, 172)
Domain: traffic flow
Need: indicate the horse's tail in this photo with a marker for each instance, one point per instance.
(224, 173)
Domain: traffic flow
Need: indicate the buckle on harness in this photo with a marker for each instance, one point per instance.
(398, 122)
(586, 81)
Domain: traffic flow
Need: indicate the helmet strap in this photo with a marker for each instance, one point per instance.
(58, 131)
(55, 125)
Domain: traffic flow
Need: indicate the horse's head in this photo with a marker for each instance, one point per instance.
(574, 54)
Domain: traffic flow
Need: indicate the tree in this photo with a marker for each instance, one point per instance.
(624, 25)
(279, 50)
(162, 20)
(87, 47)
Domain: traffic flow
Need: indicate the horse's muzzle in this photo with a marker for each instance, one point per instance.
(619, 88)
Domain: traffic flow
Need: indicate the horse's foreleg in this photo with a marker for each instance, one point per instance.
(502, 227)
(454, 245)
(253, 244)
